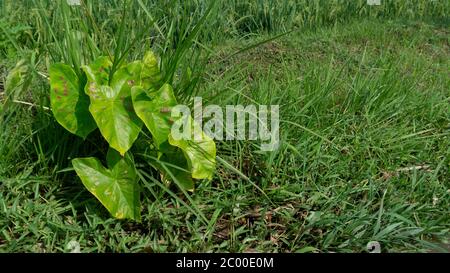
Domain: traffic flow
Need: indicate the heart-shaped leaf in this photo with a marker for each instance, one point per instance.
(199, 150)
(70, 105)
(116, 188)
(111, 105)
(155, 111)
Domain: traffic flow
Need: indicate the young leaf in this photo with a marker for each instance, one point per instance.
(98, 71)
(199, 150)
(70, 105)
(150, 75)
(111, 106)
(155, 110)
(17, 81)
(117, 188)
(16, 78)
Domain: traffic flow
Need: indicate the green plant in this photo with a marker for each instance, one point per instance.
(363, 93)
(119, 102)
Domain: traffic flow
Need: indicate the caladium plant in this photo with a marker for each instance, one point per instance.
(120, 104)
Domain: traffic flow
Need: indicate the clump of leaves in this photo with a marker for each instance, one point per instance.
(119, 102)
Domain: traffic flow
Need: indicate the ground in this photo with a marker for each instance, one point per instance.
(364, 156)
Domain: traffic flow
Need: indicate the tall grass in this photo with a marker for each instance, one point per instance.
(181, 32)
(348, 116)
(169, 19)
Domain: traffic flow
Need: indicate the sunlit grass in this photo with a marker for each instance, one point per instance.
(364, 100)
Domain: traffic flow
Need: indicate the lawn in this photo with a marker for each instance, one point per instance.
(364, 154)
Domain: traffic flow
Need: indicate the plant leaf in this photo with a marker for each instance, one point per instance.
(98, 71)
(199, 150)
(16, 78)
(17, 81)
(70, 105)
(117, 189)
(155, 111)
(111, 106)
(150, 74)
(113, 157)
(174, 167)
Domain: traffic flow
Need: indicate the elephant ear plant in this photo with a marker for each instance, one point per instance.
(119, 103)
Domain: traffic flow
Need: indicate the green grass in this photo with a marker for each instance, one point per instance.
(364, 156)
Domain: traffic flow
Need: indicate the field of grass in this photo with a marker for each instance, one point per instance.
(364, 95)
